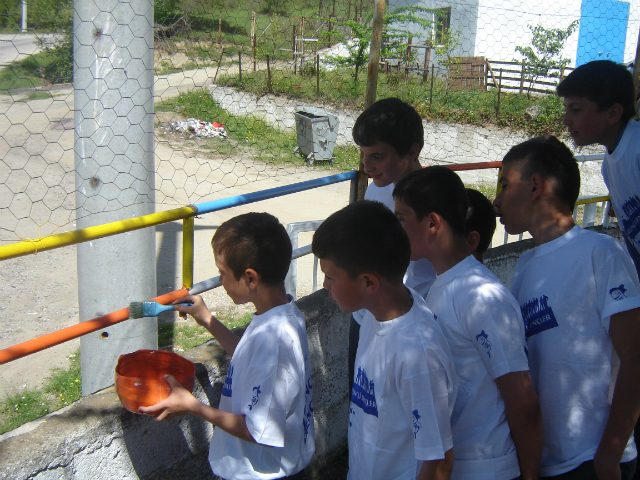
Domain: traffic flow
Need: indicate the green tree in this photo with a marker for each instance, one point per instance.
(394, 35)
(545, 52)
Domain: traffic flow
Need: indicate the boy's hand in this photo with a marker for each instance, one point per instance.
(179, 402)
(198, 310)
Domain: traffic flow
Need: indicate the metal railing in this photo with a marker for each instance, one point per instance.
(187, 214)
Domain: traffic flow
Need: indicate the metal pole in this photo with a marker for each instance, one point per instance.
(115, 175)
(24, 16)
(318, 74)
(187, 251)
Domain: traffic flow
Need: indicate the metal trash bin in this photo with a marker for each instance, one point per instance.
(317, 131)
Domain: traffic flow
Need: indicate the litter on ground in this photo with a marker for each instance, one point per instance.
(200, 128)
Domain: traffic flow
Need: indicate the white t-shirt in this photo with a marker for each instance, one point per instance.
(568, 289)
(402, 396)
(482, 323)
(420, 274)
(269, 381)
(621, 174)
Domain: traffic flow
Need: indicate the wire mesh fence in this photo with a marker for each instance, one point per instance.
(229, 76)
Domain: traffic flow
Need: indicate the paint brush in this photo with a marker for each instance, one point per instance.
(150, 309)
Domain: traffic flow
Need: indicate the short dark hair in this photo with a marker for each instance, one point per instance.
(481, 218)
(364, 237)
(391, 121)
(603, 82)
(257, 241)
(438, 190)
(552, 160)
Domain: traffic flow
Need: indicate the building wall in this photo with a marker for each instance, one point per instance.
(493, 28)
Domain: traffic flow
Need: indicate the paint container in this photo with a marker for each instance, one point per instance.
(140, 377)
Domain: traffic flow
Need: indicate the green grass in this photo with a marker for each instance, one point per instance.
(246, 132)
(61, 388)
(474, 107)
(64, 385)
(181, 337)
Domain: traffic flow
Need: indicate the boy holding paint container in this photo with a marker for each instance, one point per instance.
(264, 423)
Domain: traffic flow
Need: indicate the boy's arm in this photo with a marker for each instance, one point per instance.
(437, 469)
(624, 330)
(201, 314)
(180, 401)
(524, 417)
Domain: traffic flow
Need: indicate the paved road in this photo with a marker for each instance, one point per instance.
(20, 45)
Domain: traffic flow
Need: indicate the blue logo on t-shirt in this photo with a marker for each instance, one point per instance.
(631, 224)
(618, 293)
(416, 423)
(256, 397)
(483, 339)
(537, 316)
(308, 411)
(363, 394)
(228, 382)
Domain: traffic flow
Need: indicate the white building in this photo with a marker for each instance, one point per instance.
(494, 28)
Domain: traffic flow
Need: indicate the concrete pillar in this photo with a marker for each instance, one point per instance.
(113, 95)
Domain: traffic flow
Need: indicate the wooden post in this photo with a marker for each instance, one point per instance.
(317, 75)
(433, 71)
(253, 24)
(253, 37)
(254, 52)
(521, 76)
(240, 65)
(499, 90)
(372, 81)
(218, 69)
(408, 57)
(427, 59)
(220, 29)
(293, 42)
(269, 76)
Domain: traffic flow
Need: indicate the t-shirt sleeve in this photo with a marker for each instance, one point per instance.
(497, 329)
(616, 282)
(425, 392)
(269, 389)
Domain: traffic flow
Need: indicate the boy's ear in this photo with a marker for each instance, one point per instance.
(413, 151)
(537, 185)
(473, 239)
(369, 281)
(615, 113)
(434, 222)
(251, 278)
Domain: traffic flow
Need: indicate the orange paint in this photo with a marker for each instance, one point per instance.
(140, 377)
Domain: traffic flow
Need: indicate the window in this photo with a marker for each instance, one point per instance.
(442, 22)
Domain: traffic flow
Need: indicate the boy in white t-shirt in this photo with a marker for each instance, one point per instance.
(405, 384)
(580, 301)
(599, 108)
(264, 424)
(496, 422)
(390, 135)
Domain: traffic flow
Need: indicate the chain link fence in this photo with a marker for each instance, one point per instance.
(230, 75)
(229, 81)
